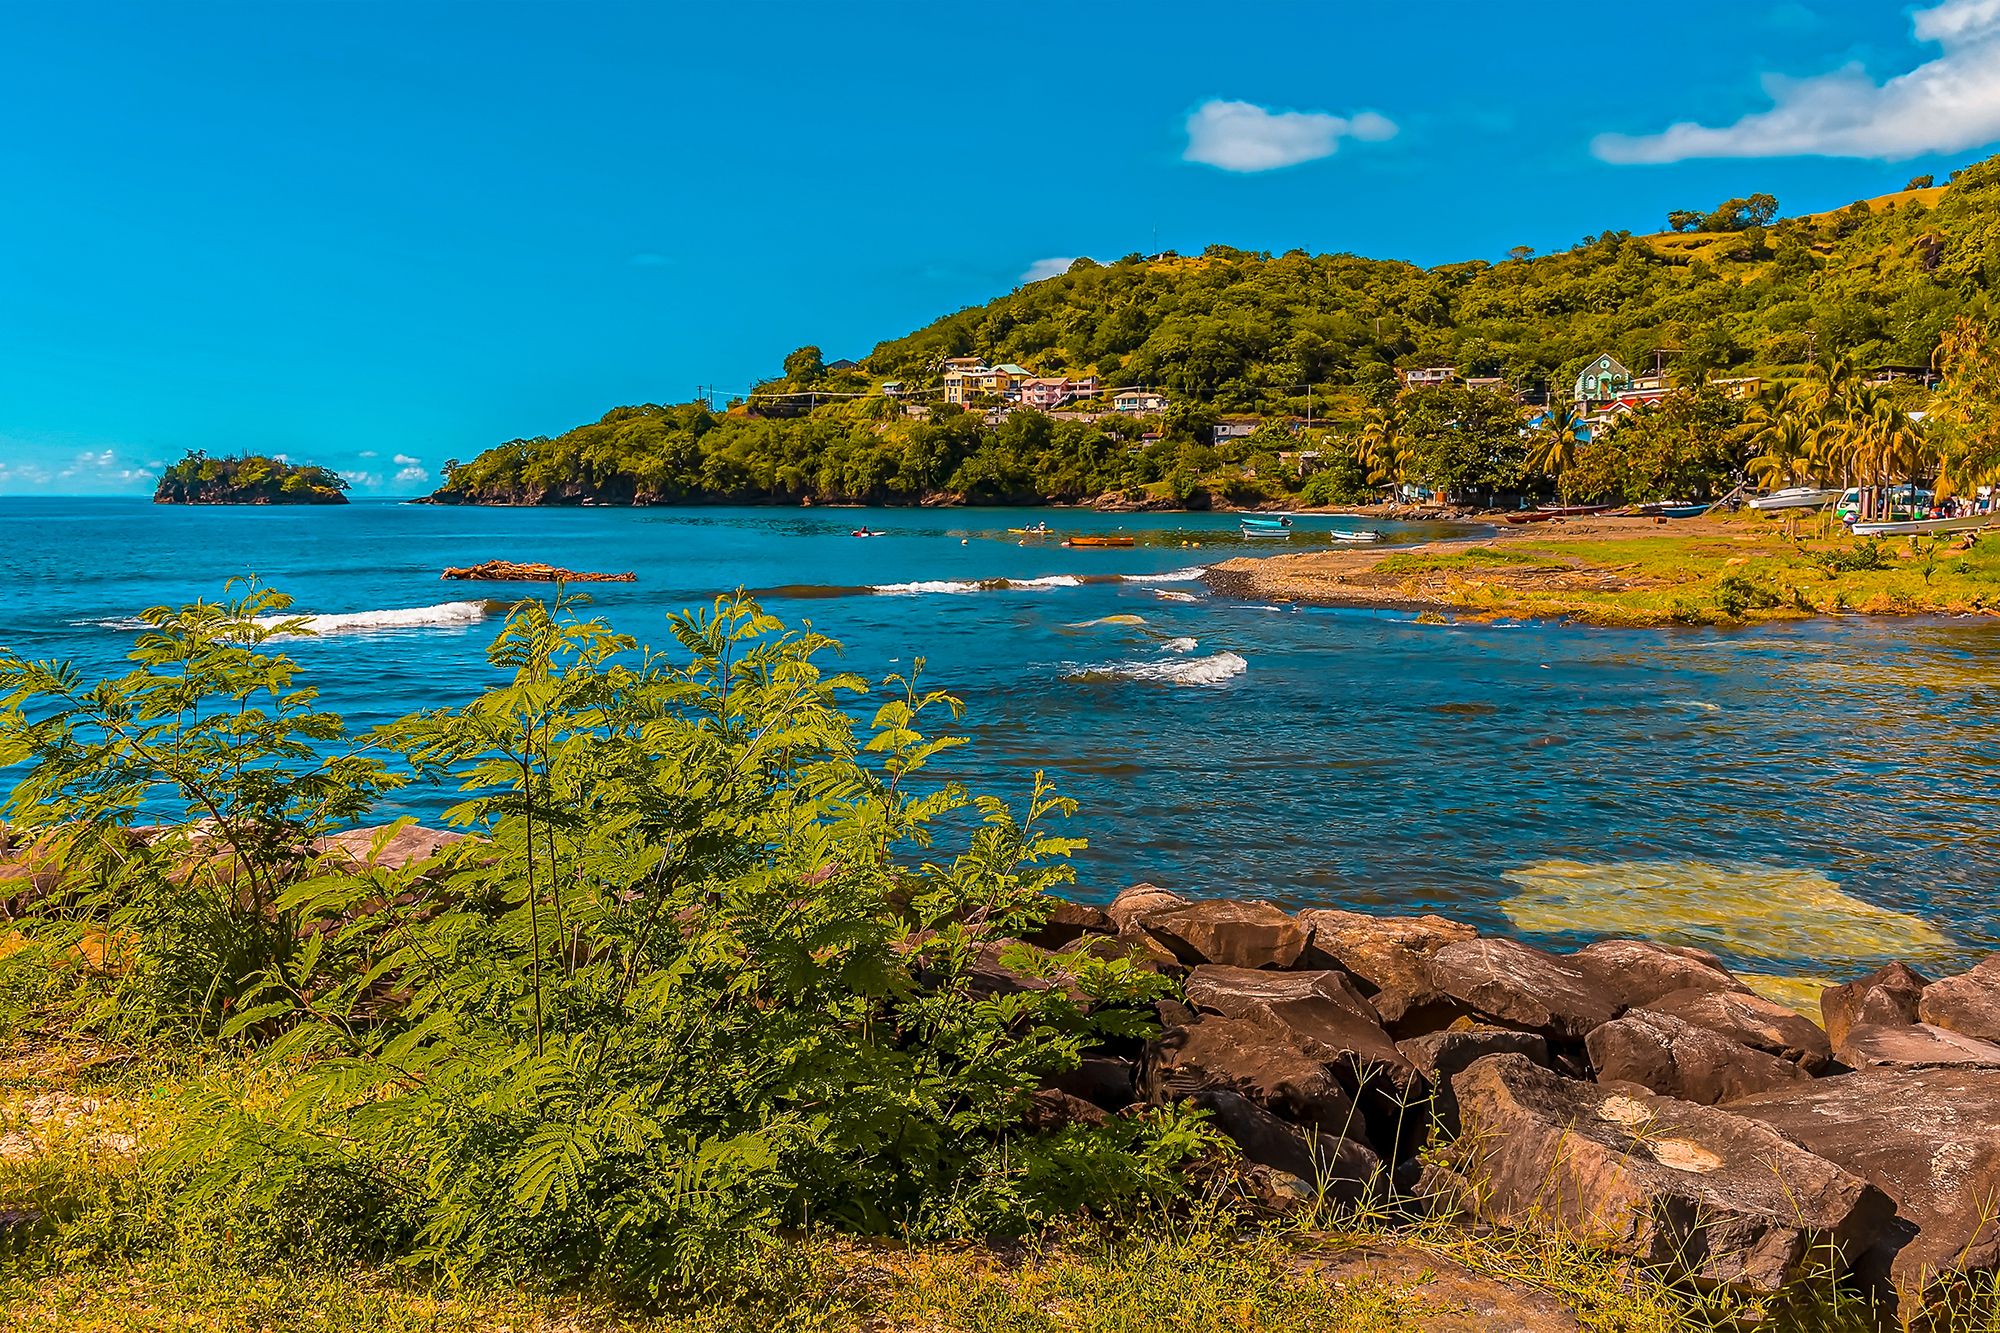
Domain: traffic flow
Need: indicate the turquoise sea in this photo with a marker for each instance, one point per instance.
(1801, 797)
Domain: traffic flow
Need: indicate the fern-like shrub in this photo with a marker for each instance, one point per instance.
(701, 975)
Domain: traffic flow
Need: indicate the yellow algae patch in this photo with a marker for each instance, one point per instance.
(1750, 911)
(1799, 994)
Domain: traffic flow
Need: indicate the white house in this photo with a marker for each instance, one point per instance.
(1141, 402)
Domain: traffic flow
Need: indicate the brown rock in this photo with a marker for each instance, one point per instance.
(1255, 1058)
(1235, 934)
(1634, 972)
(1069, 922)
(1721, 1198)
(1753, 1021)
(1440, 1055)
(1516, 986)
(1322, 1010)
(1967, 1003)
(1386, 954)
(1052, 1109)
(1101, 1080)
(1663, 1054)
(400, 849)
(1889, 995)
(1929, 1138)
(1913, 1045)
(1135, 902)
(1340, 1167)
(1453, 1298)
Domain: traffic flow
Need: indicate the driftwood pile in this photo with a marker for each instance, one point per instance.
(509, 571)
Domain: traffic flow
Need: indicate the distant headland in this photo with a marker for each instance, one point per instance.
(250, 479)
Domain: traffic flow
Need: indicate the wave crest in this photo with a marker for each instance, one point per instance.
(1215, 669)
(413, 617)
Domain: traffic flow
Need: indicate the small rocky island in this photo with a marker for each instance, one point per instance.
(249, 479)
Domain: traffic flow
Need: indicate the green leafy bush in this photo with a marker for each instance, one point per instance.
(702, 973)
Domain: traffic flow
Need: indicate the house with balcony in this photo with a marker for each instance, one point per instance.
(1139, 402)
(968, 379)
(1046, 393)
(1431, 377)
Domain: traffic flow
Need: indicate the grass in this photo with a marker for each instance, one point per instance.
(1742, 570)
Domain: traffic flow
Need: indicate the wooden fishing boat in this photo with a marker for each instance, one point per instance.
(1574, 511)
(1529, 516)
(1912, 527)
(1101, 541)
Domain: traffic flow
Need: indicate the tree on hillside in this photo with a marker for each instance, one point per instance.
(1556, 440)
(805, 367)
(1742, 214)
(1919, 183)
(1966, 410)
(1683, 219)
(1462, 442)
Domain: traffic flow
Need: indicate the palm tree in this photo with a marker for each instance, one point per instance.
(1557, 438)
(1378, 448)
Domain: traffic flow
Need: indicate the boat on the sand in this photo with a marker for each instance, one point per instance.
(1912, 527)
(1795, 497)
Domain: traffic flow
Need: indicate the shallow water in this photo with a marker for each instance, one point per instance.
(1799, 797)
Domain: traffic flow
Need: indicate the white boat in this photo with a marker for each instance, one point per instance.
(1260, 530)
(1354, 535)
(1917, 526)
(1795, 497)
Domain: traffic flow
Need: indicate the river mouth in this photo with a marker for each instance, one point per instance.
(1377, 760)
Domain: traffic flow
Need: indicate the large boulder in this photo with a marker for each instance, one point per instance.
(1508, 983)
(386, 847)
(1721, 1198)
(1256, 1058)
(1929, 1138)
(1753, 1021)
(1340, 1168)
(1437, 1056)
(1234, 934)
(1888, 996)
(1134, 903)
(1322, 1010)
(1913, 1046)
(1967, 1003)
(1101, 1080)
(1663, 1054)
(1068, 922)
(1388, 955)
(1636, 972)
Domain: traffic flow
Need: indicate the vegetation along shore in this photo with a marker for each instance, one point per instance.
(716, 1008)
(248, 479)
(1636, 571)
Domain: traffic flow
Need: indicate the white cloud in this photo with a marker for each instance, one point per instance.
(1053, 267)
(407, 461)
(1949, 103)
(103, 467)
(1242, 136)
(412, 474)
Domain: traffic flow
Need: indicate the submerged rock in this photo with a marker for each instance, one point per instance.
(1718, 1197)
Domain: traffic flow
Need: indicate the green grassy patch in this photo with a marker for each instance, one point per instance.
(1472, 557)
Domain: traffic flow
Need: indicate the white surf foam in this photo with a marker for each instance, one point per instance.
(1188, 575)
(1215, 669)
(1170, 595)
(412, 617)
(1179, 645)
(960, 587)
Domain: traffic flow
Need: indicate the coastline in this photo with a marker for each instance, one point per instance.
(1633, 573)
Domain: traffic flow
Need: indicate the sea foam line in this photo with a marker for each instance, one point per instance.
(413, 617)
(1215, 669)
(920, 587)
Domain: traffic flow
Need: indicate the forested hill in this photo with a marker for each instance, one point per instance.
(1246, 332)
(1732, 292)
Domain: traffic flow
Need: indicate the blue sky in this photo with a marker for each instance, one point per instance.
(378, 237)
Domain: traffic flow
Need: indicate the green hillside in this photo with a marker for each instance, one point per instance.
(1733, 292)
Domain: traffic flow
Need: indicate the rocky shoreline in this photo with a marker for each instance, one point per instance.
(1635, 1095)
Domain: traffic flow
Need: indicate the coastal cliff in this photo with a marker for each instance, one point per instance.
(249, 479)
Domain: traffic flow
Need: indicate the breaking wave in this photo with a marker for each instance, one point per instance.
(1188, 575)
(414, 617)
(1215, 669)
(962, 586)
(1171, 595)
(1179, 645)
